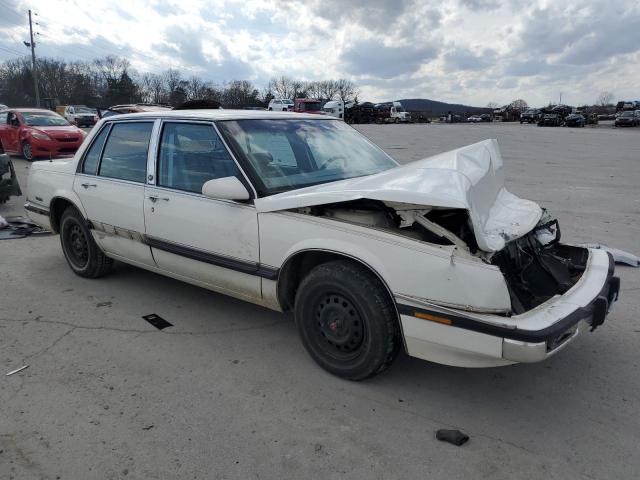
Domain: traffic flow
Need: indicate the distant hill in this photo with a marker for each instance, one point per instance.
(435, 108)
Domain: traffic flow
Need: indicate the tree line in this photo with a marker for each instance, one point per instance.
(111, 81)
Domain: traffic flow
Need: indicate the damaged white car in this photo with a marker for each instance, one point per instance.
(299, 212)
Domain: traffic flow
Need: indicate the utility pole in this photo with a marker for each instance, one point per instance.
(32, 44)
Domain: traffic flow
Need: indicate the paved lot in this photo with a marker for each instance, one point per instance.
(229, 391)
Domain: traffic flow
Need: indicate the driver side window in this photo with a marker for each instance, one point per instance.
(190, 155)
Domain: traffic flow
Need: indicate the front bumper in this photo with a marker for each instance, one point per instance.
(462, 338)
(54, 147)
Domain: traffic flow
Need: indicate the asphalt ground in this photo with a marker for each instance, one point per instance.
(229, 392)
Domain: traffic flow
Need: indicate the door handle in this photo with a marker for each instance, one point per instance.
(155, 198)
(87, 185)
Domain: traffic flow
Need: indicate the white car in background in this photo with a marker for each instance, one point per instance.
(301, 212)
(281, 105)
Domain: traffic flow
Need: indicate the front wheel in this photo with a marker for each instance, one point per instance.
(27, 151)
(82, 253)
(346, 320)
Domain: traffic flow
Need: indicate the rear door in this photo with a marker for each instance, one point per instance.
(110, 184)
(208, 240)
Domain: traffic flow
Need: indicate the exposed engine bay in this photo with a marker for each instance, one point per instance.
(536, 267)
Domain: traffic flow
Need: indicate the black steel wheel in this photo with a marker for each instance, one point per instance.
(339, 330)
(346, 320)
(82, 253)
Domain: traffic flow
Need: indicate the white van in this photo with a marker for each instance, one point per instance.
(281, 105)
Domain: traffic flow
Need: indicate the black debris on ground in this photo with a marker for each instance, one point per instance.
(456, 437)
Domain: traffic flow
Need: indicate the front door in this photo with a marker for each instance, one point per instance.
(110, 185)
(11, 134)
(214, 242)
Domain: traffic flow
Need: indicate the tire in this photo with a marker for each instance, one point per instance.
(397, 120)
(80, 250)
(270, 109)
(346, 320)
(27, 151)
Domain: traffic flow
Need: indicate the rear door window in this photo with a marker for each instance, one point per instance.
(125, 153)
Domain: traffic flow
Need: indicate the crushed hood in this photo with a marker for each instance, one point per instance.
(470, 178)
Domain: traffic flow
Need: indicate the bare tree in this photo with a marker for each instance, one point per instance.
(314, 89)
(346, 90)
(282, 87)
(520, 104)
(492, 105)
(195, 88)
(605, 98)
(329, 89)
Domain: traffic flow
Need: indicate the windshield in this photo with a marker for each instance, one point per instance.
(289, 154)
(399, 108)
(308, 106)
(627, 114)
(42, 119)
(287, 102)
(84, 110)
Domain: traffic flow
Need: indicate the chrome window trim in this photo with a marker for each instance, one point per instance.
(80, 168)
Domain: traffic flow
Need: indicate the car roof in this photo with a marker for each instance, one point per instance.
(220, 114)
(25, 110)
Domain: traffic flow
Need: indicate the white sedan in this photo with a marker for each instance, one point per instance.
(300, 212)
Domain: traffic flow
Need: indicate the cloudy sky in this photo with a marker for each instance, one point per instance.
(467, 51)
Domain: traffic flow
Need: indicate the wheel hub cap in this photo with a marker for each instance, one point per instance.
(338, 324)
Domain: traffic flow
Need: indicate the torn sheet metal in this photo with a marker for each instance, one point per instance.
(18, 227)
(619, 256)
(470, 178)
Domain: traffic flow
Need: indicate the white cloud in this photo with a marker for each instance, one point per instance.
(468, 51)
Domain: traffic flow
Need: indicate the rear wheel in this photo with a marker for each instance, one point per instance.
(27, 151)
(346, 320)
(82, 253)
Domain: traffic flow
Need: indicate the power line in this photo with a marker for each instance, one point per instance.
(108, 51)
(12, 11)
(13, 52)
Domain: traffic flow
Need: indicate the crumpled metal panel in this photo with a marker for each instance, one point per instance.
(470, 178)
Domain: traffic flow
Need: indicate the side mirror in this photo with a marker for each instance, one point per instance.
(226, 188)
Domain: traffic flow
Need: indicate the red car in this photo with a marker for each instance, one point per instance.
(35, 132)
